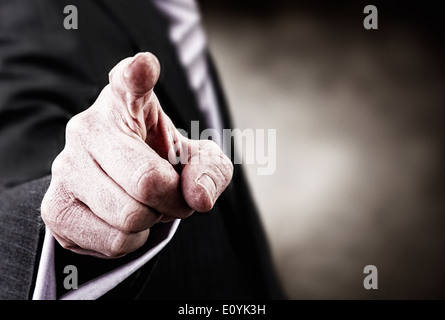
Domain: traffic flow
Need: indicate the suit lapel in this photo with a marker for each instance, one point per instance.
(148, 30)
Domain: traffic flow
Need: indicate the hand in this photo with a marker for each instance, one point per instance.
(113, 181)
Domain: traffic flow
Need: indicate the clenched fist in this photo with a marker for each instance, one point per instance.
(113, 181)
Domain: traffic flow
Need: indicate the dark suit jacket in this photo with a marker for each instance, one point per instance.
(47, 75)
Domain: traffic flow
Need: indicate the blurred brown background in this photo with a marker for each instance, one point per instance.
(359, 117)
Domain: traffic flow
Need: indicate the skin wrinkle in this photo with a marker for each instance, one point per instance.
(116, 168)
(110, 246)
(122, 244)
(66, 241)
(63, 221)
(137, 124)
(138, 96)
(126, 150)
(215, 188)
(132, 221)
(226, 164)
(70, 244)
(122, 110)
(65, 215)
(161, 192)
(142, 178)
(109, 200)
(118, 115)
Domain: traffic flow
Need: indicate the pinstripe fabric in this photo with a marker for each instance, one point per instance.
(20, 226)
(50, 77)
(187, 34)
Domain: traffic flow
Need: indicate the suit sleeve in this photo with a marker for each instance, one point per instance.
(44, 81)
(47, 75)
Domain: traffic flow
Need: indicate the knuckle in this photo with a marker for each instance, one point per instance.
(74, 125)
(212, 155)
(149, 180)
(118, 249)
(134, 218)
(60, 163)
(124, 243)
(227, 167)
(66, 244)
(46, 209)
(57, 208)
(82, 127)
(143, 189)
(209, 152)
(62, 218)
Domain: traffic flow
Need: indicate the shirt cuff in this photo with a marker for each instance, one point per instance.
(45, 288)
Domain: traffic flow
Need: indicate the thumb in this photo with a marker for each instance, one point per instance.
(206, 175)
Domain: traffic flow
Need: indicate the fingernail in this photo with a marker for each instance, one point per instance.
(209, 185)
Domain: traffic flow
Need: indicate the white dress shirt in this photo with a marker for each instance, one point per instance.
(189, 38)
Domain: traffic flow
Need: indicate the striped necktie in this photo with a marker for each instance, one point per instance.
(189, 38)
